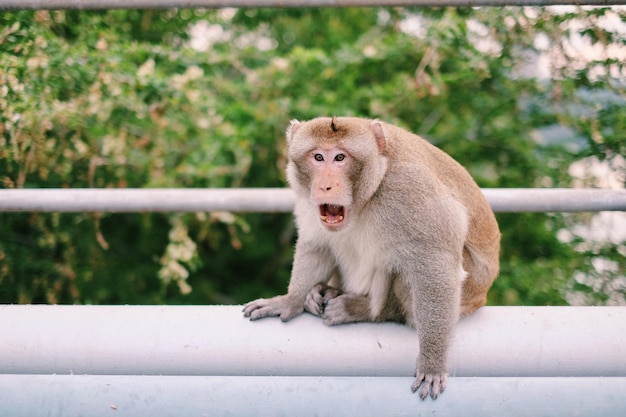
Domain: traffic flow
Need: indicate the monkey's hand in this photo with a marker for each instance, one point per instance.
(318, 297)
(433, 382)
(285, 306)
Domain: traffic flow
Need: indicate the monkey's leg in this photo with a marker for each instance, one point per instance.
(317, 299)
(378, 306)
(347, 308)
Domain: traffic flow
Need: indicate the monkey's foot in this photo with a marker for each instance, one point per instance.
(346, 308)
(284, 306)
(435, 383)
(318, 297)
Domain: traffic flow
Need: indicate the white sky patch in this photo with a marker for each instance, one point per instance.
(605, 226)
(591, 172)
(582, 51)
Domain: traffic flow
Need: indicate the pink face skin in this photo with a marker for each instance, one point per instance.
(328, 190)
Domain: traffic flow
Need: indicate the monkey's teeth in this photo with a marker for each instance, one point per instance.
(325, 219)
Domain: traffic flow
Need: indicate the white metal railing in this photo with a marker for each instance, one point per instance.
(209, 360)
(218, 340)
(162, 4)
(276, 200)
(271, 396)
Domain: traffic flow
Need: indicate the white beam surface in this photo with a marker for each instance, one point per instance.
(148, 199)
(219, 341)
(162, 4)
(155, 396)
(275, 199)
(209, 361)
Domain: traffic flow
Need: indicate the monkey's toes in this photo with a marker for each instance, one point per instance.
(433, 383)
(330, 293)
(314, 302)
(318, 297)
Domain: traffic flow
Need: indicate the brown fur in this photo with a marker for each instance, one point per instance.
(410, 236)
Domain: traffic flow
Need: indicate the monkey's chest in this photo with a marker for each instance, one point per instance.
(359, 261)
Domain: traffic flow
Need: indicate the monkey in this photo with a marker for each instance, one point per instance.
(390, 228)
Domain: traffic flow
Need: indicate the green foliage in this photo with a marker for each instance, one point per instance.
(201, 98)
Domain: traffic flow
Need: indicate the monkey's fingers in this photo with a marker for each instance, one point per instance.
(259, 309)
(283, 306)
(248, 308)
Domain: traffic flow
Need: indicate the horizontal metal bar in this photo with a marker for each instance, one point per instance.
(148, 199)
(155, 396)
(276, 200)
(555, 199)
(218, 341)
(163, 4)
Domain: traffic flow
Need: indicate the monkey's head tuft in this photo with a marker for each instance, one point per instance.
(333, 125)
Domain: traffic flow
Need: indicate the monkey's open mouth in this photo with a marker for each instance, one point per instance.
(331, 214)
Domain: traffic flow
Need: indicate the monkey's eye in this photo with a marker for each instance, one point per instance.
(340, 157)
(318, 157)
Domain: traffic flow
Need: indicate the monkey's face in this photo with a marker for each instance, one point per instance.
(335, 165)
(321, 175)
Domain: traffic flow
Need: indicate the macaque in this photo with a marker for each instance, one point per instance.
(390, 228)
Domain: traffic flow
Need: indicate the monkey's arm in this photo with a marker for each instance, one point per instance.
(435, 292)
(312, 264)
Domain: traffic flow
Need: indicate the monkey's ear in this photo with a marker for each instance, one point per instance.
(291, 130)
(379, 134)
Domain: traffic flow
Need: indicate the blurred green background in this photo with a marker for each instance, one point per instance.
(523, 97)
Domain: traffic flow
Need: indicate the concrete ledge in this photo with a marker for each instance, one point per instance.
(154, 396)
(217, 340)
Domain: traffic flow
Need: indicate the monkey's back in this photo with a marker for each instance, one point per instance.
(482, 244)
